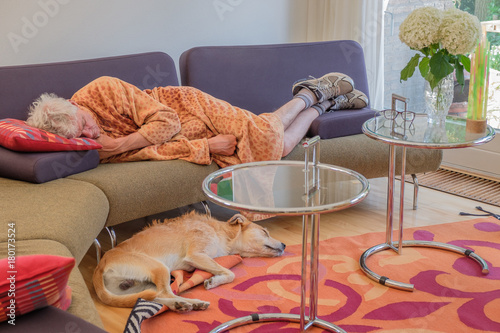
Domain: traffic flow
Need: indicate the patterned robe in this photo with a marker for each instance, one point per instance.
(178, 121)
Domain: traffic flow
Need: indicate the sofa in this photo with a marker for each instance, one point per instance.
(61, 201)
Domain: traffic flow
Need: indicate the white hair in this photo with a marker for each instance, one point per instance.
(53, 114)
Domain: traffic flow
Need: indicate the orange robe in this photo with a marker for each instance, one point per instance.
(178, 121)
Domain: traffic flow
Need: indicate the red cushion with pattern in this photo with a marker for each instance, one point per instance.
(16, 135)
(31, 282)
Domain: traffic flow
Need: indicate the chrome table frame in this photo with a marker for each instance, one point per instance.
(313, 213)
(400, 243)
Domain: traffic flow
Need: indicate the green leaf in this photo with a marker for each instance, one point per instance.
(408, 71)
(434, 48)
(426, 51)
(439, 68)
(459, 73)
(466, 62)
(424, 67)
(432, 80)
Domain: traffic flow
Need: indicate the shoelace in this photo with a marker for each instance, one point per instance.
(332, 88)
(341, 102)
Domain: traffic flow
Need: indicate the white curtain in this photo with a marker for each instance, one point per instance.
(359, 20)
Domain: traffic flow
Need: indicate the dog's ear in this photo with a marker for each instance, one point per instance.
(238, 219)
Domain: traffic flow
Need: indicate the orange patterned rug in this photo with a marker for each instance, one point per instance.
(451, 294)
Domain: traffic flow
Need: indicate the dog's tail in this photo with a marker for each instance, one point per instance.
(125, 300)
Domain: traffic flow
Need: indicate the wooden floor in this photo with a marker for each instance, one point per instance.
(434, 207)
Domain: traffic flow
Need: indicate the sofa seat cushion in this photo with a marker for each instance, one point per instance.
(82, 305)
(44, 167)
(370, 157)
(67, 211)
(138, 189)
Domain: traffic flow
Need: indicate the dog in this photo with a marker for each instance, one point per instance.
(140, 266)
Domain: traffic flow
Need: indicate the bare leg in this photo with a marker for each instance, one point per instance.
(289, 111)
(298, 129)
(297, 117)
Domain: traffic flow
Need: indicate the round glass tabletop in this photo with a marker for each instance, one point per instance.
(419, 133)
(285, 187)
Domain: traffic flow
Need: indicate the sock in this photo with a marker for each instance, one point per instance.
(322, 107)
(307, 96)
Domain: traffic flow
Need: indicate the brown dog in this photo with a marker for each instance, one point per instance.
(140, 266)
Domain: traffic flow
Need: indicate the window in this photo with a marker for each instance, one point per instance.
(488, 13)
(483, 160)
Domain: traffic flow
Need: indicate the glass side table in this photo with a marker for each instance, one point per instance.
(420, 134)
(289, 188)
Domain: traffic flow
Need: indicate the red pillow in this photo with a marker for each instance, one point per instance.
(16, 135)
(31, 282)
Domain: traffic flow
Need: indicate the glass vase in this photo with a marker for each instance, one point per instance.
(439, 99)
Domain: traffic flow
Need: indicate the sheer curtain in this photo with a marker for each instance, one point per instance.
(359, 20)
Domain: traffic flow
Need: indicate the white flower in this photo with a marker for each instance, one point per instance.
(443, 38)
(421, 28)
(459, 31)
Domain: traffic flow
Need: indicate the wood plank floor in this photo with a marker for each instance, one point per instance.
(434, 207)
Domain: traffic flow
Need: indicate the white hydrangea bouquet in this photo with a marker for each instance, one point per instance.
(444, 37)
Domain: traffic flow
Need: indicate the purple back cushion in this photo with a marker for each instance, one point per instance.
(260, 78)
(21, 85)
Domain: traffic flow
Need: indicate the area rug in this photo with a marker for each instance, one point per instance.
(451, 294)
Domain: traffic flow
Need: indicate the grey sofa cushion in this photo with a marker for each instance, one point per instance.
(259, 78)
(44, 167)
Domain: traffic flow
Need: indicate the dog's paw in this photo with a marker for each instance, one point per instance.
(181, 306)
(201, 306)
(210, 283)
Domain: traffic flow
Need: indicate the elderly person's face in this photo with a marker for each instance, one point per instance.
(86, 125)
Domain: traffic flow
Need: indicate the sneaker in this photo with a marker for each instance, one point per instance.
(352, 100)
(326, 87)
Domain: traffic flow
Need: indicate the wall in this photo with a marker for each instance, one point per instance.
(38, 31)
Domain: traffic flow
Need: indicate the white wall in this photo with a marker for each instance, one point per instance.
(39, 31)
